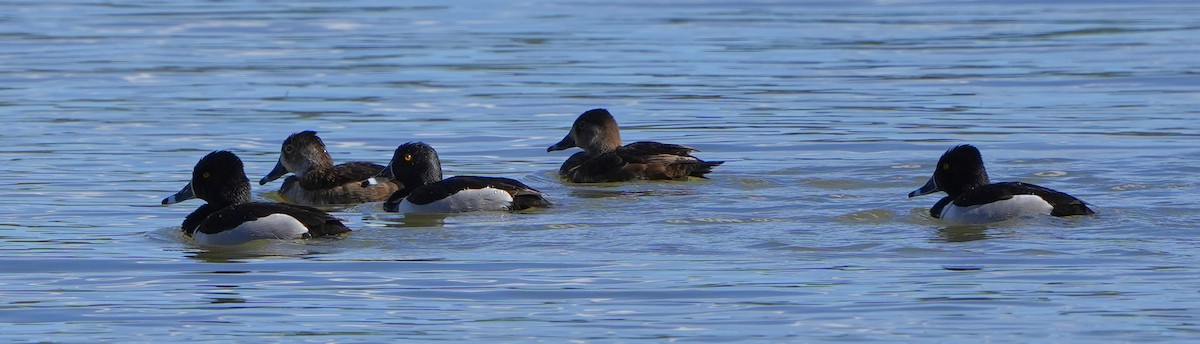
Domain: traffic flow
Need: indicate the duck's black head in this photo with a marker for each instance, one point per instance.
(595, 131)
(219, 179)
(414, 164)
(960, 169)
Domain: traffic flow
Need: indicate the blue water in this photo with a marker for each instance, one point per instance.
(829, 113)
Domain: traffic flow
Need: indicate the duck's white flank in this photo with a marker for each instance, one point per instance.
(274, 226)
(1017, 206)
(485, 199)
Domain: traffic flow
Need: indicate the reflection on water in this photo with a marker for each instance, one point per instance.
(253, 250)
(578, 192)
(401, 221)
(828, 113)
(963, 233)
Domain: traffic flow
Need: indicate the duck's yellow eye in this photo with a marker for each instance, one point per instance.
(205, 175)
(945, 166)
(408, 157)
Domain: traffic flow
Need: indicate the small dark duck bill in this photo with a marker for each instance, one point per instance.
(183, 195)
(930, 187)
(275, 173)
(567, 142)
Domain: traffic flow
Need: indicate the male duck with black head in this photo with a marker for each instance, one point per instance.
(317, 181)
(230, 218)
(604, 159)
(416, 166)
(973, 199)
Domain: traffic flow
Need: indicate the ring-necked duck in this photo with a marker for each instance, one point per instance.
(230, 218)
(417, 167)
(972, 199)
(317, 181)
(604, 159)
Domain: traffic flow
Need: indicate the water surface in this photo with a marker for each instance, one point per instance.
(828, 114)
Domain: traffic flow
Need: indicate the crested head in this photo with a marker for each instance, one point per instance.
(961, 155)
(596, 116)
(960, 169)
(304, 151)
(220, 158)
(220, 179)
(596, 131)
(304, 135)
(303, 138)
(415, 164)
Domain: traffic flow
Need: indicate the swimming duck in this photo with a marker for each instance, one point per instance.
(416, 166)
(230, 218)
(604, 159)
(972, 199)
(317, 181)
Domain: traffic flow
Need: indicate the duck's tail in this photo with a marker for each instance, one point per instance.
(526, 200)
(704, 167)
(1070, 209)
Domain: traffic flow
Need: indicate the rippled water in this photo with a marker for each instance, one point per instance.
(828, 113)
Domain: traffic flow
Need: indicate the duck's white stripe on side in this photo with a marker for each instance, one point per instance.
(1017, 206)
(485, 199)
(274, 226)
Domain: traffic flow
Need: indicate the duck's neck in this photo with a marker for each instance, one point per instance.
(318, 162)
(601, 149)
(238, 193)
(601, 139)
(421, 174)
(980, 179)
(600, 144)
